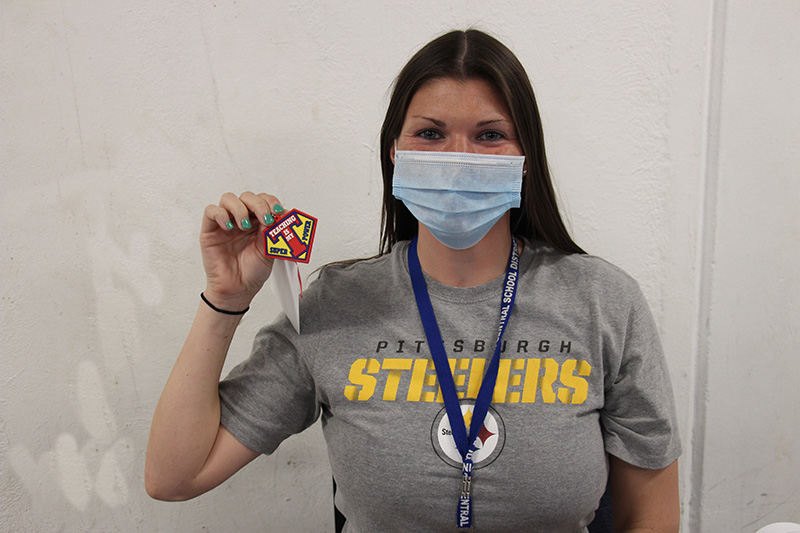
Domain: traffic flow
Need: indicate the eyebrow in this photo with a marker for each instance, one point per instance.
(492, 121)
(480, 124)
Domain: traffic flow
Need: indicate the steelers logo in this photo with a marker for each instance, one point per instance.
(490, 440)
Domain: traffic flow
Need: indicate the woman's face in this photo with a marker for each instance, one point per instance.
(448, 115)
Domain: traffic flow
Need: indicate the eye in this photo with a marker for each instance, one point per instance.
(491, 136)
(429, 135)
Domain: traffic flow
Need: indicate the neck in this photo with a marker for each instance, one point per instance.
(474, 266)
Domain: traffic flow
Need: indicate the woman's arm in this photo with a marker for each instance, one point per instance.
(644, 500)
(189, 452)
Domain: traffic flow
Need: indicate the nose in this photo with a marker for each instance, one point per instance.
(459, 143)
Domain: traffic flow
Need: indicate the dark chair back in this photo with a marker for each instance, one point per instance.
(603, 520)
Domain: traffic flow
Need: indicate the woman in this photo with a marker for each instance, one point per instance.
(567, 389)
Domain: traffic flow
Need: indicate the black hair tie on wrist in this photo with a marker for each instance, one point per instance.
(223, 311)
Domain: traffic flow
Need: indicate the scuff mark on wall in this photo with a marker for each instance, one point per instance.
(94, 461)
(97, 468)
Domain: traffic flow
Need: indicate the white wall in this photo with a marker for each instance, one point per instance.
(747, 466)
(672, 132)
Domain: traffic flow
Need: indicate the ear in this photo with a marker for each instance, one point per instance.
(391, 151)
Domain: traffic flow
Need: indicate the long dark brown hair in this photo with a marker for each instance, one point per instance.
(463, 55)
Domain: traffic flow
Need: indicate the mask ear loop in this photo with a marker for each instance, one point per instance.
(520, 208)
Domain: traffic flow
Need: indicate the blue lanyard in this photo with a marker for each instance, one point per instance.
(466, 446)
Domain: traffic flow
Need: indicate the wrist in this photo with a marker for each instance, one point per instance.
(219, 325)
(222, 311)
(226, 304)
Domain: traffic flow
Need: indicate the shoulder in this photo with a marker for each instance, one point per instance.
(578, 268)
(355, 270)
(364, 278)
(584, 276)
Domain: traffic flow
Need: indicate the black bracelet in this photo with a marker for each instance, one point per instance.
(223, 311)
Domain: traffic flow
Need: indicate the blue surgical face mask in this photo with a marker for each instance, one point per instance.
(457, 196)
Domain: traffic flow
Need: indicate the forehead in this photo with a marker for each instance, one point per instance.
(473, 95)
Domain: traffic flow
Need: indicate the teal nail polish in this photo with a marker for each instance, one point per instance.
(246, 223)
(278, 208)
(268, 220)
(229, 224)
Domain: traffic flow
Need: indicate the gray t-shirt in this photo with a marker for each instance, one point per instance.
(582, 374)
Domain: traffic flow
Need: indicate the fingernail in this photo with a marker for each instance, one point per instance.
(278, 208)
(229, 224)
(268, 219)
(246, 223)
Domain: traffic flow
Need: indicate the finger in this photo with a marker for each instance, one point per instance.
(238, 210)
(215, 216)
(275, 207)
(259, 207)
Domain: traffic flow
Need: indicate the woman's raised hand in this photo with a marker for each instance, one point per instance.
(232, 245)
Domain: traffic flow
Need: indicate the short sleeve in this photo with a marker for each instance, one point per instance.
(271, 395)
(638, 416)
